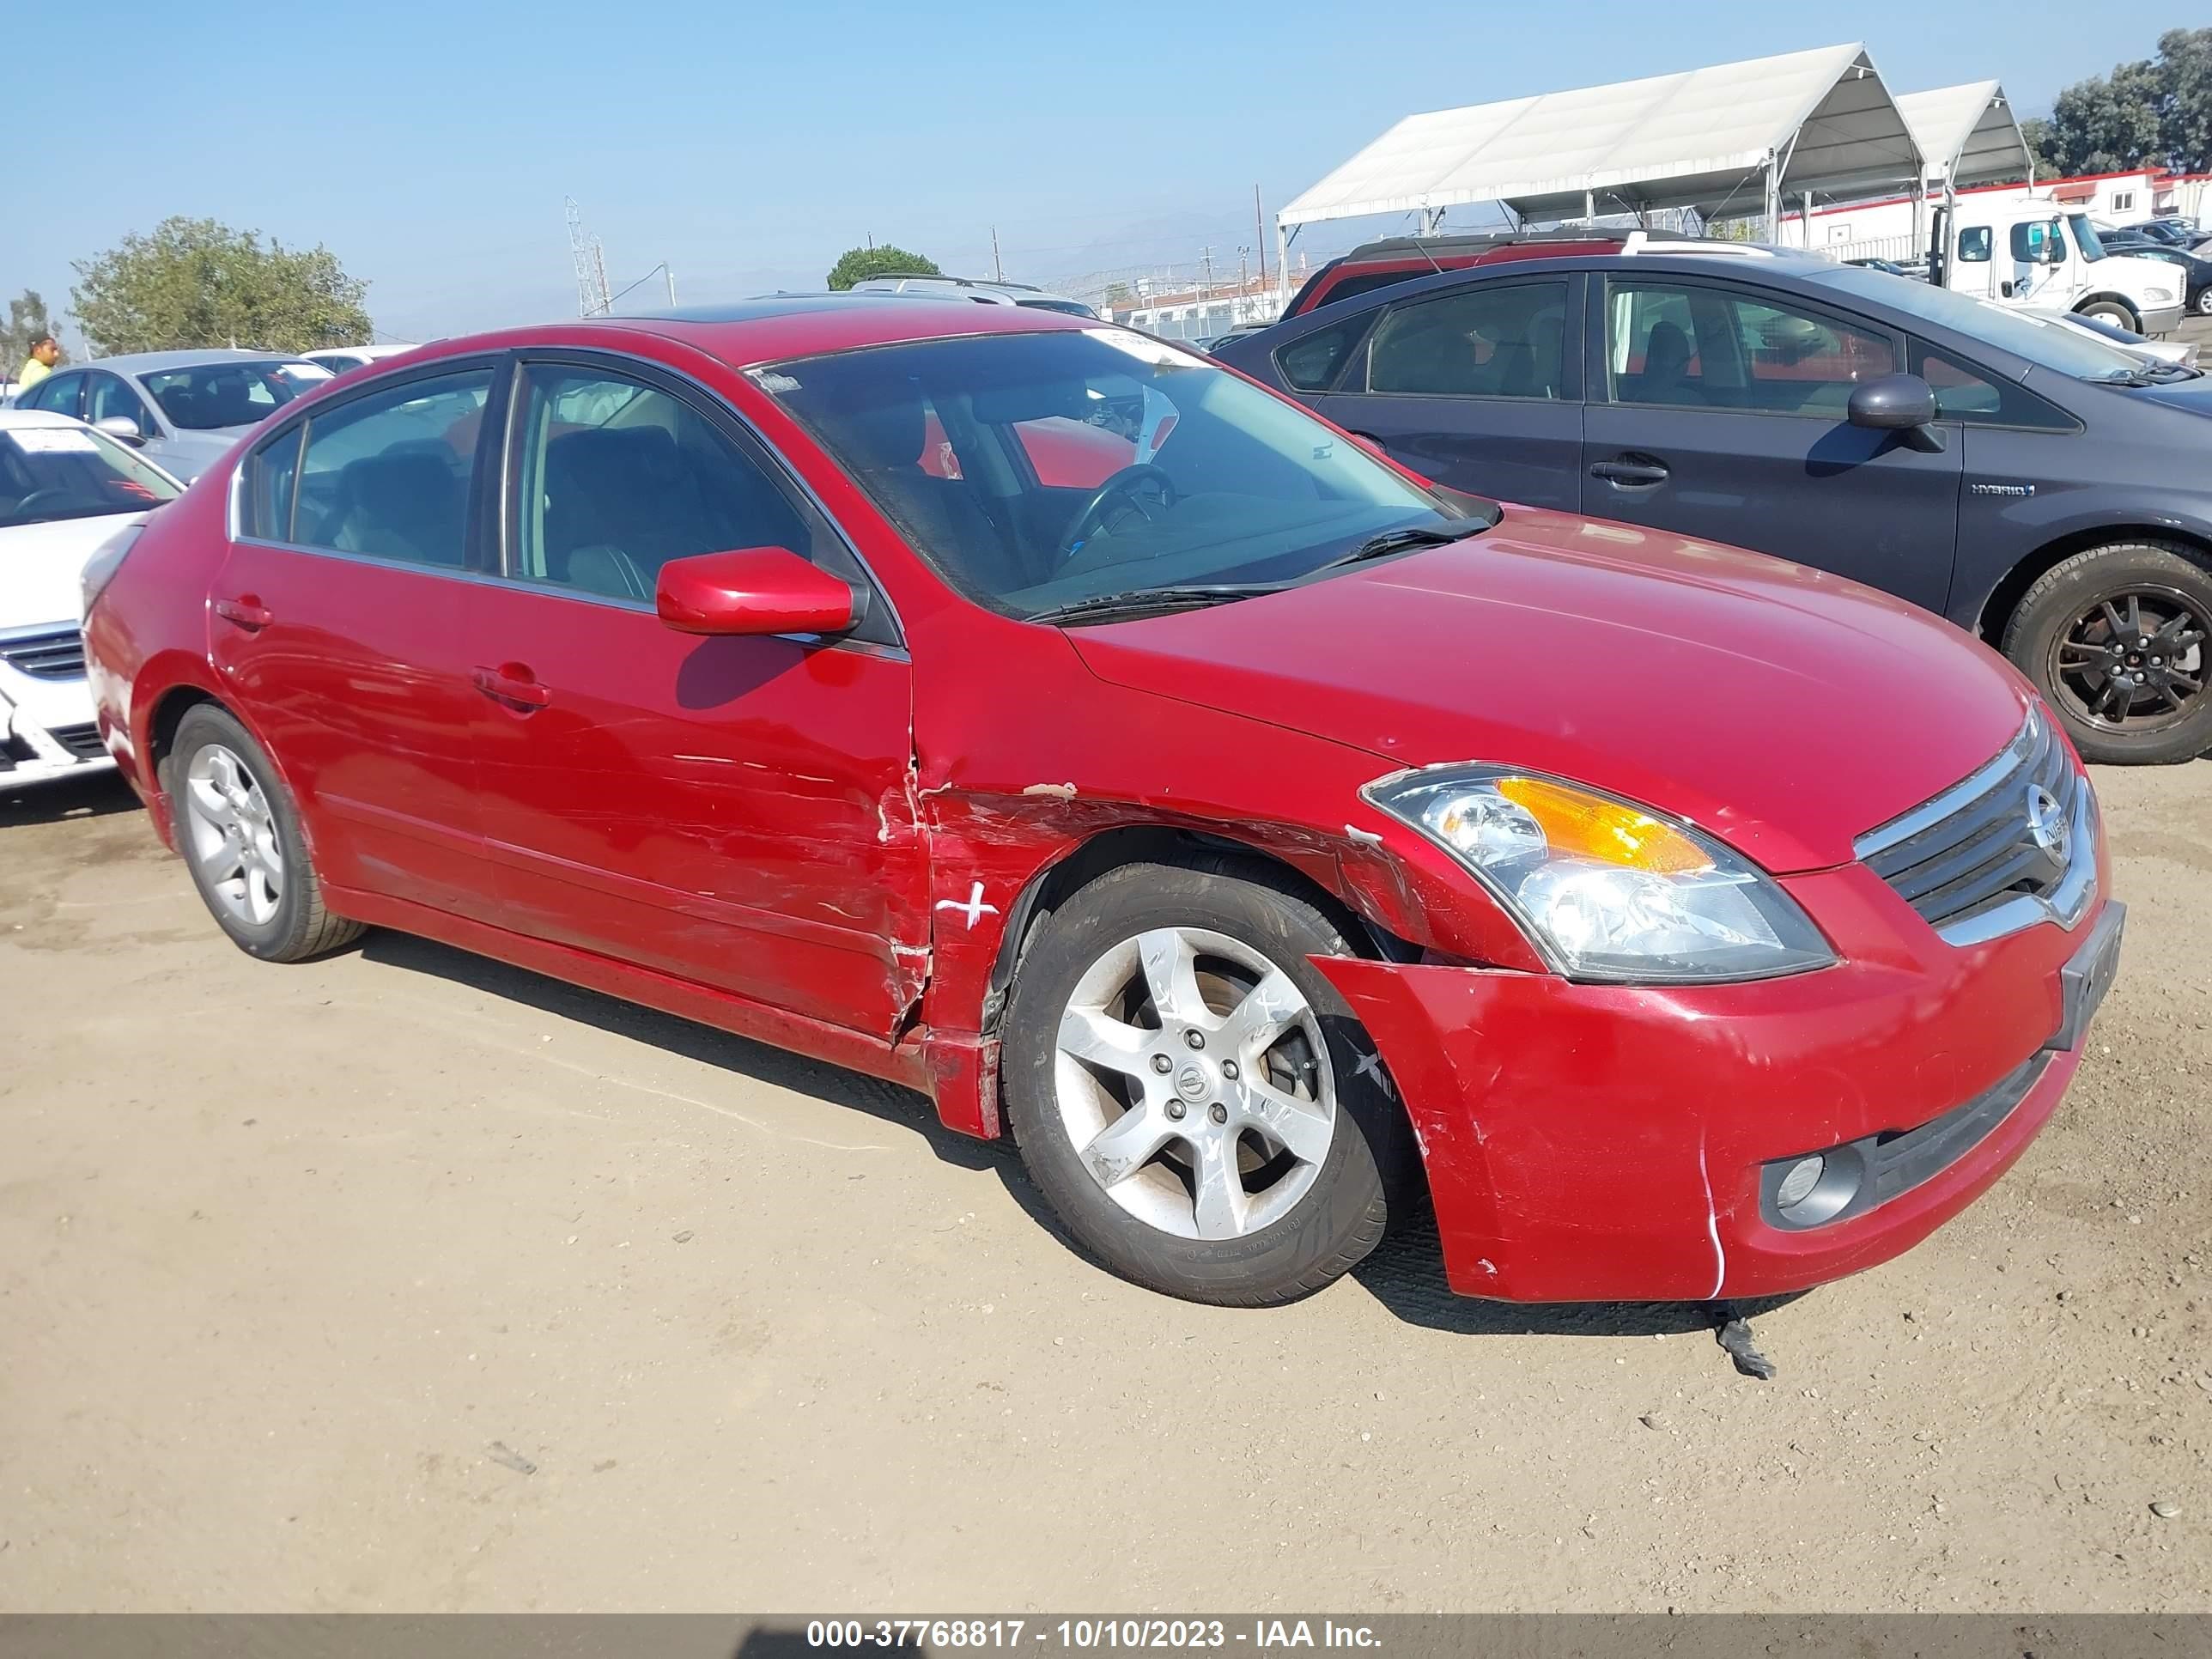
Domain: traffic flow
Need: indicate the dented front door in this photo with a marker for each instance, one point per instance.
(732, 811)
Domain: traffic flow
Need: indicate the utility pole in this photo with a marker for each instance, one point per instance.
(1260, 235)
(1205, 269)
(997, 270)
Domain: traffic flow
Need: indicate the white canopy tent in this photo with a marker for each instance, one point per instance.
(1750, 132)
(1967, 134)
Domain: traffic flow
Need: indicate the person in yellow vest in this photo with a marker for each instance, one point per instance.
(45, 353)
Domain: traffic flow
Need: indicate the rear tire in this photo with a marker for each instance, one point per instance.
(1157, 1144)
(238, 830)
(2062, 637)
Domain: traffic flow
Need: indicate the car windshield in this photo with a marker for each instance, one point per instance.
(2046, 342)
(50, 473)
(1039, 471)
(208, 397)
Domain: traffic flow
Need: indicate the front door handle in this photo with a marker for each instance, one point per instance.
(1629, 475)
(511, 683)
(247, 611)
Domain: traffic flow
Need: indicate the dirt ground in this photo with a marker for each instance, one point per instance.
(402, 1280)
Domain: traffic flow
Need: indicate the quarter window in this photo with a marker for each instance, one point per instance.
(1310, 364)
(388, 474)
(1966, 394)
(617, 477)
(1494, 340)
(1697, 347)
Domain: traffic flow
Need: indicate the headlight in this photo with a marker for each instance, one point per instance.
(99, 570)
(2158, 296)
(1606, 889)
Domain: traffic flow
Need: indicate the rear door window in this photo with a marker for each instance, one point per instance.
(388, 474)
(61, 394)
(1490, 340)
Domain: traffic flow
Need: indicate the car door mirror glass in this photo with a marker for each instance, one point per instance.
(1895, 403)
(754, 590)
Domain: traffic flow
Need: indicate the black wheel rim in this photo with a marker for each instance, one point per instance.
(2133, 662)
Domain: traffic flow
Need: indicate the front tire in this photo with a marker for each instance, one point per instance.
(1194, 1099)
(2113, 312)
(238, 830)
(2115, 638)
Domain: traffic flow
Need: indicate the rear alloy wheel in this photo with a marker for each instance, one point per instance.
(2116, 639)
(2204, 305)
(1193, 1096)
(241, 837)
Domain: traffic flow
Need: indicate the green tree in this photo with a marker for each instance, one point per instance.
(195, 283)
(856, 263)
(27, 325)
(2154, 112)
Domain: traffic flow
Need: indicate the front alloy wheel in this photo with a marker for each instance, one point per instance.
(1190, 1080)
(1196, 1101)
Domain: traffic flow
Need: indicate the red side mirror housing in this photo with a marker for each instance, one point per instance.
(754, 590)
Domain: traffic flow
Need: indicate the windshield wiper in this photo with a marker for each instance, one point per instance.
(1137, 600)
(2150, 374)
(1398, 541)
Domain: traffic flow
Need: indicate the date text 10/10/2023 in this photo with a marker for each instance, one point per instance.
(1259, 1635)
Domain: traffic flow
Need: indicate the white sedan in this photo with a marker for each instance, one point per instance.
(65, 492)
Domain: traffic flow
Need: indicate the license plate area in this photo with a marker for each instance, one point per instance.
(2084, 980)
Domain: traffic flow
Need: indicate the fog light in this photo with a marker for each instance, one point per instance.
(1796, 1186)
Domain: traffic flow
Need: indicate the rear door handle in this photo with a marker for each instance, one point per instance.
(511, 683)
(1629, 475)
(247, 611)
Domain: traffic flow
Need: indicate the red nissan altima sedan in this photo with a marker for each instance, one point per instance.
(1264, 839)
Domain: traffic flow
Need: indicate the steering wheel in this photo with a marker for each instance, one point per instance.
(1122, 486)
(35, 498)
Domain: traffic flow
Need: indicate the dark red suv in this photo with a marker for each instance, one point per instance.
(1400, 258)
(1268, 839)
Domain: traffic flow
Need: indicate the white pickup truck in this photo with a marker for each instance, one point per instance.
(2041, 256)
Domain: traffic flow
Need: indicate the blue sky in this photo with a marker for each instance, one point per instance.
(430, 144)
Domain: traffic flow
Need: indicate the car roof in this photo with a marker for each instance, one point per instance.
(777, 326)
(147, 362)
(35, 417)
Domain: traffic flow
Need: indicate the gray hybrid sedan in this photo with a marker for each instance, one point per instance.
(184, 408)
(2043, 489)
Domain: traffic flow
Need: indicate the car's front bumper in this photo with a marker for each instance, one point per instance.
(2162, 320)
(46, 718)
(1601, 1142)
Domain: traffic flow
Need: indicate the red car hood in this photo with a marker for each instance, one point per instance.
(1785, 710)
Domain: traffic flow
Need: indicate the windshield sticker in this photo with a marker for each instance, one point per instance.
(1146, 350)
(773, 384)
(53, 440)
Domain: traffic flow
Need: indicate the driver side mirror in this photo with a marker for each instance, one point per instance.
(755, 590)
(1903, 404)
(122, 428)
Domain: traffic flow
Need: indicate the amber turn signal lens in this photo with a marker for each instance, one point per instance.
(1590, 826)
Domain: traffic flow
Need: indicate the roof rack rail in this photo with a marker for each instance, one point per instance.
(939, 276)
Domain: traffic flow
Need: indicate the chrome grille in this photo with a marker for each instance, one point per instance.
(54, 653)
(2011, 845)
